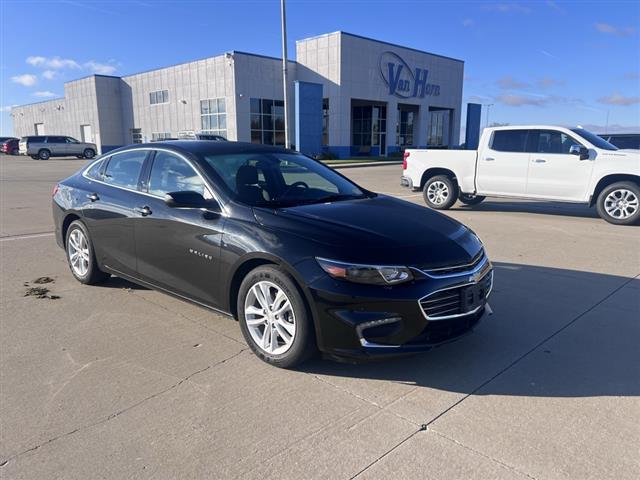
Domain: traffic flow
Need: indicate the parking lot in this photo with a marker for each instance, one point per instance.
(117, 381)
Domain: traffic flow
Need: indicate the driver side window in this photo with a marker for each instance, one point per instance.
(170, 173)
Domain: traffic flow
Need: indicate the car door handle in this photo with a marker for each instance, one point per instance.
(539, 160)
(489, 159)
(93, 197)
(144, 211)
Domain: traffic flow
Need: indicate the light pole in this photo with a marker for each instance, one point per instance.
(287, 142)
(488, 105)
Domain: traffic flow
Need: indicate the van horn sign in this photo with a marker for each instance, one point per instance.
(403, 81)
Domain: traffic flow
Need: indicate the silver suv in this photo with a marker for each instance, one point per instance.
(44, 146)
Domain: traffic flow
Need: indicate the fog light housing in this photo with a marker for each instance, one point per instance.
(360, 328)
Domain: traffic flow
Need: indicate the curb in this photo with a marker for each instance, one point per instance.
(365, 164)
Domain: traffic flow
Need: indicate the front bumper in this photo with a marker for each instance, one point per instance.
(362, 321)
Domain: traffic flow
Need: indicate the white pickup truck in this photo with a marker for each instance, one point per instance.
(535, 162)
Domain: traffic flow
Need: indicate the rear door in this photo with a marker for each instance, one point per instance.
(57, 145)
(110, 201)
(554, 173)
(503, 164)
(179, 248)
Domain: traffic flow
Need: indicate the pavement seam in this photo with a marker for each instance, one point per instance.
(484, 455)
(425, 426)
(124, 410)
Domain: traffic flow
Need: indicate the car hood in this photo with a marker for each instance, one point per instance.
(377, 230)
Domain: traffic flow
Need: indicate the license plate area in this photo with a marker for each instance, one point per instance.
(472, 297)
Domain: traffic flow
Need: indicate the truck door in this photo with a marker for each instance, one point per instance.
(503, 164)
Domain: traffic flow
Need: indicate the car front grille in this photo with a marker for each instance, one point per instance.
(457, 301)
(455, 269)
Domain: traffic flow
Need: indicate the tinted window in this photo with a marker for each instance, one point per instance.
(593, 139)
(172, 174)
(280, 179)
(34, 139)
(71, 140)
(509, 140)
(626, 141)
(123, 169)
(550, 141)
(95, 171)
(56, 140)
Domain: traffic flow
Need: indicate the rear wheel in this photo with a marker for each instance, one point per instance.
(619, 203)
(468, 199)
(44, 154)
(440, 192)
(80, 255)
(274, 319)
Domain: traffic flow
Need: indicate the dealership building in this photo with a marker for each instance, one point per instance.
(348, 95)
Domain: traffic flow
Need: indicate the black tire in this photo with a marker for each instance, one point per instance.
(440, 192)
(89, 153)
(44, 154)
(303, 344)
(470, 199)
(93, 274)
(623, 191)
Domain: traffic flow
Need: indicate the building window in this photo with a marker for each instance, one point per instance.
(213, 116)
(325, 121)
(404, 128)
(369, 125)
(158, 136)
(161, 96)
(267, 121)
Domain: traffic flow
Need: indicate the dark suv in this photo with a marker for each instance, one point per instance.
(623, 141)
(44, 146)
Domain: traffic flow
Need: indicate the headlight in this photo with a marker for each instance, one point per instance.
(369, 274)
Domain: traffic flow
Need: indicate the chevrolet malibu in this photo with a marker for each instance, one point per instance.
(302, 257)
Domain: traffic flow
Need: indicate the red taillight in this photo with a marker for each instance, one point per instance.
(404, 159)
(55, 190)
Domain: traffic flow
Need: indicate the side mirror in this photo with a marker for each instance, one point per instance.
(189, 199)
(580, 151)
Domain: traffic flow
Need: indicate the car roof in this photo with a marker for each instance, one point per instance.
(206, 147)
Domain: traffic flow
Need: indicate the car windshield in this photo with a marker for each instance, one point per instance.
(594, 139)
(280, 179)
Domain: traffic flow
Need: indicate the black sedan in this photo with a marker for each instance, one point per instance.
(304, 258)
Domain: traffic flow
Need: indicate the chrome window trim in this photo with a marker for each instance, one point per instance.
(189, 162)
(461, 285)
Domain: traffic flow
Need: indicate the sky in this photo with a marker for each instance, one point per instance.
(552, 62)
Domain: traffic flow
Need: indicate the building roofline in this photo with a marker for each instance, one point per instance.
(56, 99)
(380, 41)
(239, 52)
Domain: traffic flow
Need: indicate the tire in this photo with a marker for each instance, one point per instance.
(89, 153)
(86, 269)
(440, 192)
(619, 203)
(295, 339)
(470, 199)
(44, 154)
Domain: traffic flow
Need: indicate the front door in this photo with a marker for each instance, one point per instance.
(110, 210)
(553, 171)
(503, 165)
(178, 248)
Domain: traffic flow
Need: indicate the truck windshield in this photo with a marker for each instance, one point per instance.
(594, 139)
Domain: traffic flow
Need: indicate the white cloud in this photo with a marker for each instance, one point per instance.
(520, 100)
(55, 63)
(7, 108)
(509, 83)
(549, 54)
(44, 94)
(100, 68)
(513, 7)
(26, 80)
(467, 22)
(548, 82)
(613, 30)
(49, 74)
(620, 100)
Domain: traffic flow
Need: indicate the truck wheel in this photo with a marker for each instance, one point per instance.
(89, 153)
(44, 154)
(470, 199)
(440, 192)
(619, 203)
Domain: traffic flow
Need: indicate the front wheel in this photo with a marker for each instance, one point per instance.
(440, 192)
(80, 255)
(468, 199)
(274, 319)
(619, 203)
(89, 153)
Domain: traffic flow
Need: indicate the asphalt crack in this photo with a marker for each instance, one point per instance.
(124, 410)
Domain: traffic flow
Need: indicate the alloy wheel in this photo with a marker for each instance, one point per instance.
(621, 203)
(78, 252)
(437, 192)
(270, 318)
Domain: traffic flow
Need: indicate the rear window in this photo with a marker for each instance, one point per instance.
(33, 139)
(124, 168)
(509, 140)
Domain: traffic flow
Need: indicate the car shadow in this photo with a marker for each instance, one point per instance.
(552, 334)
(541, 208)
(117, 282)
